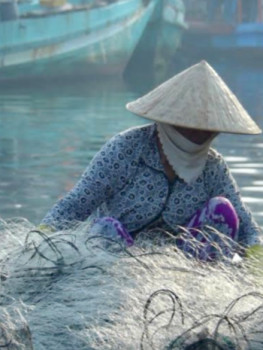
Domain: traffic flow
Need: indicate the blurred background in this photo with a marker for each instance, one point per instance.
(67, 69)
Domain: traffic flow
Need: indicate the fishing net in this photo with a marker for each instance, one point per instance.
(77, 290)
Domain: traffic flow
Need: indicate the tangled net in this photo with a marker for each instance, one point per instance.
(77, 290)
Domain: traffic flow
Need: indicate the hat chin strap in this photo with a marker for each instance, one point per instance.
(185, 157)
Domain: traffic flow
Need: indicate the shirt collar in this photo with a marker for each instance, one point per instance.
(150, 153)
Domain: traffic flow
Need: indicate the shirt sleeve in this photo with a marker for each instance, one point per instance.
(106, 173)
(227, 186)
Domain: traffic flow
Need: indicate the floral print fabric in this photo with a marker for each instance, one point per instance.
(126, 181)
(212, 231)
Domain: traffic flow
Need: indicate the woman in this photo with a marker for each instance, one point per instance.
(165, 175)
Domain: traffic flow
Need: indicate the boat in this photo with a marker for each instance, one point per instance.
(54, 38)
(235, 31)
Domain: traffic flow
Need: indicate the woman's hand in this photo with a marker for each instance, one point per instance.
(254, 259)
(255, 252)
(45, 229)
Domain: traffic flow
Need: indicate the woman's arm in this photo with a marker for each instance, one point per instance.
(227, 186)
(106, 174)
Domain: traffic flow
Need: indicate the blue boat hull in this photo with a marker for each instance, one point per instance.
(246, 36)
(90, 41)
(244, 39)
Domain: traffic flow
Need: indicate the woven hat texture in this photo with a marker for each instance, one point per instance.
(196, 98)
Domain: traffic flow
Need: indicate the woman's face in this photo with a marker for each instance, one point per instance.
(196, 136)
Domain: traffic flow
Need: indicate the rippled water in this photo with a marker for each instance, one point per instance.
(49, 134)
(47, 138)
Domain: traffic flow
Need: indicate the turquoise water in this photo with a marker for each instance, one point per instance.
(49, 134)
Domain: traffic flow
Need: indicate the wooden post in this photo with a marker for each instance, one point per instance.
(239, 11)
(260, 13)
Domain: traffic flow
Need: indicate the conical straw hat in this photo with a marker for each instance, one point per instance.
(196, 98)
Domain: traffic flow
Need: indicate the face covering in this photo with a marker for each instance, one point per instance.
(185, 157)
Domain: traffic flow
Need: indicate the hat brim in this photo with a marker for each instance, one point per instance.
(196, 98)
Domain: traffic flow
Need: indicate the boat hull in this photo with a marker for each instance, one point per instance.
(91, 42)
(244, 39)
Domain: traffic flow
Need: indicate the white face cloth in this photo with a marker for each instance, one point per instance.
(185, 157)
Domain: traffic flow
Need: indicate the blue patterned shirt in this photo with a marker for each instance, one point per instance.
(126, 180)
